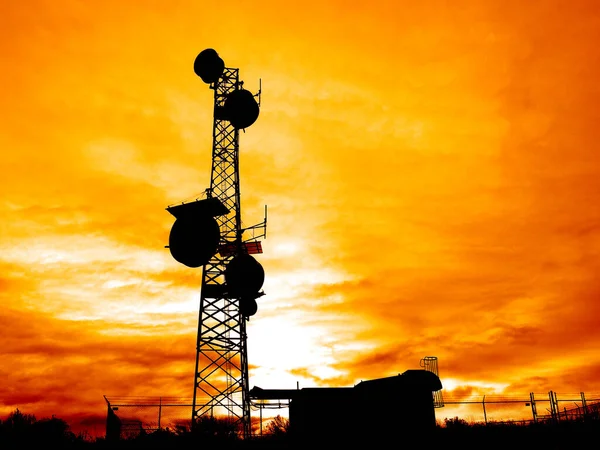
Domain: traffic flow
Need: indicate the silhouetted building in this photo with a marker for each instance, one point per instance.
(401, 404)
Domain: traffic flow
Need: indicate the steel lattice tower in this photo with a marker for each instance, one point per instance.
(221, 359)
(222, 355)
(221, 386)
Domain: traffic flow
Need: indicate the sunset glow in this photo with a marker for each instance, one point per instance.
(430, 168)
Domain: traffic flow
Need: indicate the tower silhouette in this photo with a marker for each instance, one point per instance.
(208, 233)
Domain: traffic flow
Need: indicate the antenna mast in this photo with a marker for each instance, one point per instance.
(208, 233)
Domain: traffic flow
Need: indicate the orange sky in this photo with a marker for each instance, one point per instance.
(430, 169)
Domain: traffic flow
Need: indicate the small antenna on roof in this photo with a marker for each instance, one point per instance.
(259, 90)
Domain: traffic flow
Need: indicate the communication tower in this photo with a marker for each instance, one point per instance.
(208, 233)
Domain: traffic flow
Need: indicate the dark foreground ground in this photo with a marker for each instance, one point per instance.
(457, 434)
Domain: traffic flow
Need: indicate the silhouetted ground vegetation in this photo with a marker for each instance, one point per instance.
(548, 435)
(19, 431)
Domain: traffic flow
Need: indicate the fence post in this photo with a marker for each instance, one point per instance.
(159, 410)
(554, 411)
(583, 404)
(484, 412)
(533, 407)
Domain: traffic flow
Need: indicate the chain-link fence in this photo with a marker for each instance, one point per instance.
(130, 416)
(531, 408)
(135, 415)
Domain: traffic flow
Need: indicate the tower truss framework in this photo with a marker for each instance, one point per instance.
(221, 376)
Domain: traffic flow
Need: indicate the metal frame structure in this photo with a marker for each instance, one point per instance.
(221, 385)
(430, 363)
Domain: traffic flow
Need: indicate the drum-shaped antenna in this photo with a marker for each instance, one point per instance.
(194, 240)
(241, 108)
(248, 306)
(244, 276)
(209, 66)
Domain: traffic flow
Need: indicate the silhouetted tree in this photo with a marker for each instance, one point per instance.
(16, 427)
(279, 426)
(181, 429)
(217, 426)
(17, 421)
(22, 430)
(52, 430)
(456, 423)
